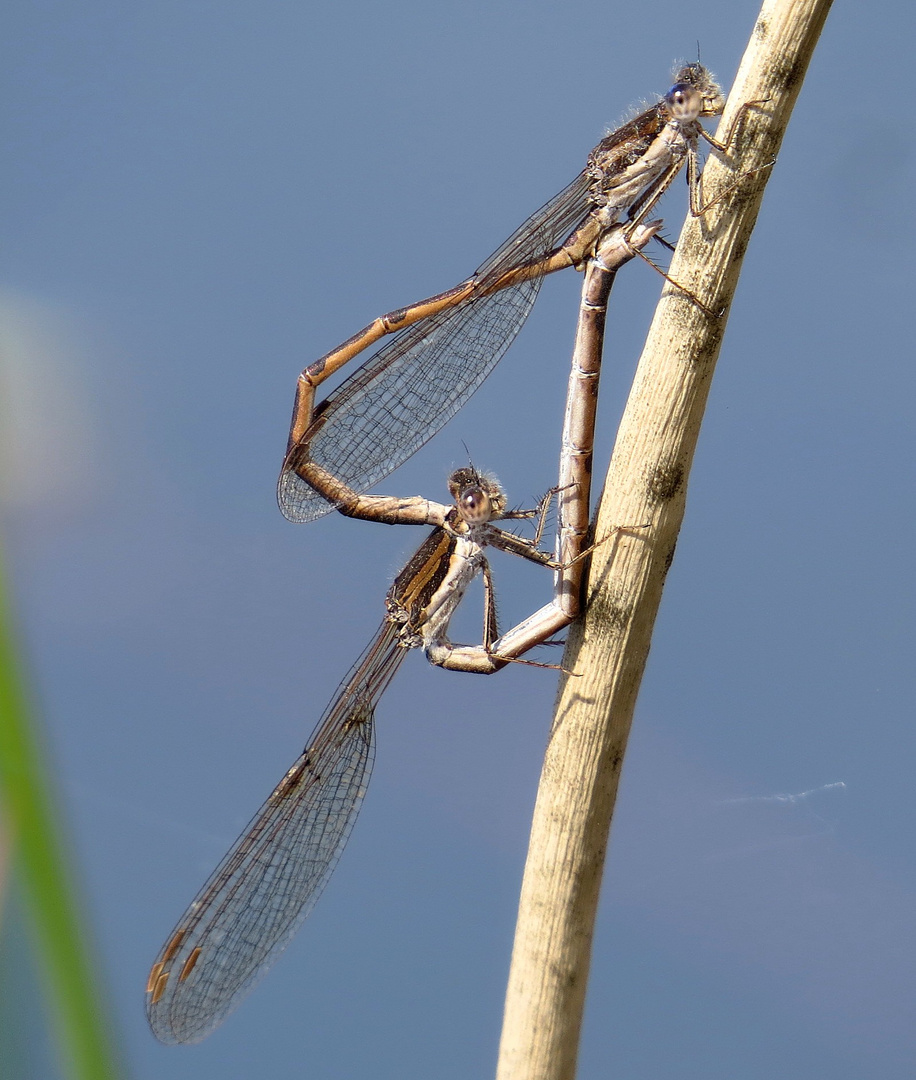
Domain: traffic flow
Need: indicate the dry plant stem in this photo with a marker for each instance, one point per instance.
(647, 482)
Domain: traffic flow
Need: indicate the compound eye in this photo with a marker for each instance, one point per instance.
(474, 504)
(684, 101)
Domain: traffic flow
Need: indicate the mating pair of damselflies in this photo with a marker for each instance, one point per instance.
(444, 347)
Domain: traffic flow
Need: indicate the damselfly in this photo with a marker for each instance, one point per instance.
(257, 897)
(447, 344)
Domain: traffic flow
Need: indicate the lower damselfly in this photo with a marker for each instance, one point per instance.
(255, 900)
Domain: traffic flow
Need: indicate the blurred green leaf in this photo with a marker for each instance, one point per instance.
(41, 868)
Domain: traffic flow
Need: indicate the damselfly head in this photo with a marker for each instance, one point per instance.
(695, 93)
(478, 496)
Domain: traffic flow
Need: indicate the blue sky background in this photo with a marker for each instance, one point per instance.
(202, 198)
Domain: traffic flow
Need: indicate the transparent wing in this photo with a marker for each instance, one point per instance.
(413, 385)
(269, 881)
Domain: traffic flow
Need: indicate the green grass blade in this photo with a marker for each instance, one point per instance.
(42, 869)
